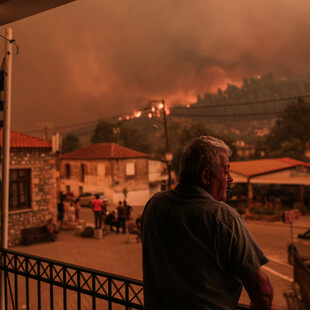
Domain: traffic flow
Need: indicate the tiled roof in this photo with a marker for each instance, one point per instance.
(20, 140)
(262, 166)
(104, 151)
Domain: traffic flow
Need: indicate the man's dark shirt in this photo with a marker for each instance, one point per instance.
(196, 250)
(121, 212)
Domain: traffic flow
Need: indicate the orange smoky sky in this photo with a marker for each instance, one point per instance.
(93, 59)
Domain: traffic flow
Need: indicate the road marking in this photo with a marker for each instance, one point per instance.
(278, 274)
(279, 262)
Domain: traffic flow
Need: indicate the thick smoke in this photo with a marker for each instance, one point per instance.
(94, 59)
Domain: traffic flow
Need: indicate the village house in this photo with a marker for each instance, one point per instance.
(32, 184)
(121, 173)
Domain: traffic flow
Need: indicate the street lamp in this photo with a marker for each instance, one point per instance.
(168, 154)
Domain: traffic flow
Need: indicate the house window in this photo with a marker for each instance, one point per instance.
(20, 184)
(101, 169)
(68, 190)
(68, 171)
(82, 172)
(130, 169)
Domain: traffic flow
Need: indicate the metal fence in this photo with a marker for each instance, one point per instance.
(302, 277)
(33, 282)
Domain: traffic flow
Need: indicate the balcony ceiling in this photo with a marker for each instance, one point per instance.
(13, 10)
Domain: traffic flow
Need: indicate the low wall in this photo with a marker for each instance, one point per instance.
(27, 219)
(261, 217)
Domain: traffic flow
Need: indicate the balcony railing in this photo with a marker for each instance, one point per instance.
(33, 282)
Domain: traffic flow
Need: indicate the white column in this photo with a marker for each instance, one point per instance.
(6, 151)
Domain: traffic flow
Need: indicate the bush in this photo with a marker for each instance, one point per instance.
(301, 207)
(268, 211)
(240, 210)
(260, 209)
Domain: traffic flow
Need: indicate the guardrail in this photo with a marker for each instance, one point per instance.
(33, 282)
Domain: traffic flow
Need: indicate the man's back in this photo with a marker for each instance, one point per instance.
(97, 204)
(195, 251)
(121, 212)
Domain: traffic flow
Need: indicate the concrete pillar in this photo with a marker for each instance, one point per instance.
(250, 193)
(301, 193)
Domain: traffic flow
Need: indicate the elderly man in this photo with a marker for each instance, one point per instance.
(197, 251)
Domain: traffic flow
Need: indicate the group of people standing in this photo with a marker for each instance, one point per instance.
(117, 219)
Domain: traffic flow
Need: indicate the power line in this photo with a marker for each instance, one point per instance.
(12, 42)
(108, 126)
(231, 105)
(64, 127)
(243, 103)
(83, 123)
(238, 114)
(90, 122)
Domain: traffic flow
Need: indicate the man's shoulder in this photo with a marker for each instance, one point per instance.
(225, 213)
(158, 195)
(201, 202)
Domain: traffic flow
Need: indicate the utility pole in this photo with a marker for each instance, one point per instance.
(6, 152)
(168, 154)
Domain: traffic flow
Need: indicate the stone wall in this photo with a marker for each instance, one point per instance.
(42, 163)
(25, 219)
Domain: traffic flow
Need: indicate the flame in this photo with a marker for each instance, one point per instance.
(127, 117)
(160, 106)
(153, 109)
(120, 118)
(137, 114)
(150, 115)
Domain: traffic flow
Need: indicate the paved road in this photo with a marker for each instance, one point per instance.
(114, 254)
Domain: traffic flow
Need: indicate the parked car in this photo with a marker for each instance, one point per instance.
(86, 198)
(302, 245)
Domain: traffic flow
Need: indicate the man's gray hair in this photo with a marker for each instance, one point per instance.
(202, 152)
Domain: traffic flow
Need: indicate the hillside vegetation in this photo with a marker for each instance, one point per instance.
(232, 114)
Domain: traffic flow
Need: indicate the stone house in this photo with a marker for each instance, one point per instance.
(121, 173)
(32, 184)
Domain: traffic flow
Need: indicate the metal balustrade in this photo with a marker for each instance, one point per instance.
(33, 282)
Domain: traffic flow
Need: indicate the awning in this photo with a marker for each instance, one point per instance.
(238, 178)
(13, 10)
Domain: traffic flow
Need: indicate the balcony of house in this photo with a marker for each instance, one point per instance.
(32, 282)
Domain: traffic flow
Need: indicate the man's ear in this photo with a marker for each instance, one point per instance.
(205, 176)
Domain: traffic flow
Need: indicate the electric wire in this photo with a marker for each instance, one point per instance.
(12, 42)
(172, 113)
(245, 103)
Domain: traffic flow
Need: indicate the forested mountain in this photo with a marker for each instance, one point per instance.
(264, 87)
(233, 114)
(239, 111)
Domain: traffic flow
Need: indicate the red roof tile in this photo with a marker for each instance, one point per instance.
(104, 151)
(262, 166)
(20, 140)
